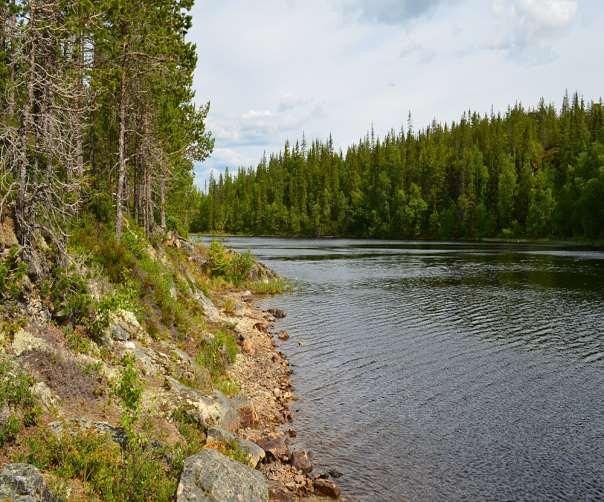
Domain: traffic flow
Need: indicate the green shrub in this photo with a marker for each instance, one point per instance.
(121, 299)
(100, 205)
(235, 267)
(190, 429)
(12, 273)
(70, 297)
(130, 390)
(270, 287)
(76, 342)
(218, 260)
(137, 473)
(15, 391)
(10, 429)
(216, 354)
(240, 266)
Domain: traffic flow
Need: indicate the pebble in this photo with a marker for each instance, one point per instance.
(327, 487)
(301, 460)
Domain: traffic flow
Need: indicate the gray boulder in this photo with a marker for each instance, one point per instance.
(254, 452)
(212, 477)
(215, 410)
(76, 425)
(301, 460)
(124, 326)
(23, 483)
(209, 309)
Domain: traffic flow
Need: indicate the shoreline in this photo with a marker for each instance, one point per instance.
(264, 376)
(216, 400)
(575, 244)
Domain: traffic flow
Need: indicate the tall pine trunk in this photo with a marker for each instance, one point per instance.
(121, 178)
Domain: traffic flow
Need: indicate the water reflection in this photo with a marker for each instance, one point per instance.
(447, 371)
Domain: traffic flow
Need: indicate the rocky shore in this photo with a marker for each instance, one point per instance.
(264, 374)
(235, 437)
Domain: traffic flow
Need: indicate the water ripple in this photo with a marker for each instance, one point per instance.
(446, 371)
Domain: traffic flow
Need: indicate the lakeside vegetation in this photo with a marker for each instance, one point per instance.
(528, 173)
(102, 304)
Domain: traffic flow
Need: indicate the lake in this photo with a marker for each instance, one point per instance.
(446, 371)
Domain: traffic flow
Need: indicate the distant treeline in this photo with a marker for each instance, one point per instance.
(535, 172)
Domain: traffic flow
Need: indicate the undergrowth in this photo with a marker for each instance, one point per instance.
(269, 287)
(235, 267)
(232, 450)
(217, 353)
(137, 473)
(17, 402)
(12, 273)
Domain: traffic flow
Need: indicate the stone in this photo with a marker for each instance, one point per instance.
(214, 410)
(275, 447)
(23, 341)
(334, 473)
(208, 307)
(254, 452)
(23, 483)
(5, 413)
(146, 358)
(239, 310)
(260, 272)
(277, 313)
(278, 493)
(212, 477)
(260, 326)
(301, 460)
(123, 325)
(248, 417)
(283, 336)
(75, 425)
(327, 487)
(248, 347)
(47, 397)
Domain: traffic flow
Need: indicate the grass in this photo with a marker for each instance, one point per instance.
(12, 274)
(235, 267)
(227, 386)
(15, 392)
(77, 342)
(217, 353)
(269, 287)
(191, 430)
(137, 473)
(229, 305)
(232, 450)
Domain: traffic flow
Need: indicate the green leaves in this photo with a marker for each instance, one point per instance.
(529, 172)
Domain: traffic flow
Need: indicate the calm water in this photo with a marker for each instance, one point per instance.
(447, 371)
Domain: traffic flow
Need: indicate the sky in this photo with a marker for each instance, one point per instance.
(274, 70)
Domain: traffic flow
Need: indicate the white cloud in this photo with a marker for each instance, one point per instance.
(257, 127)
(532, 25)
(275, 69)
(389, 11)
(545, 14)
